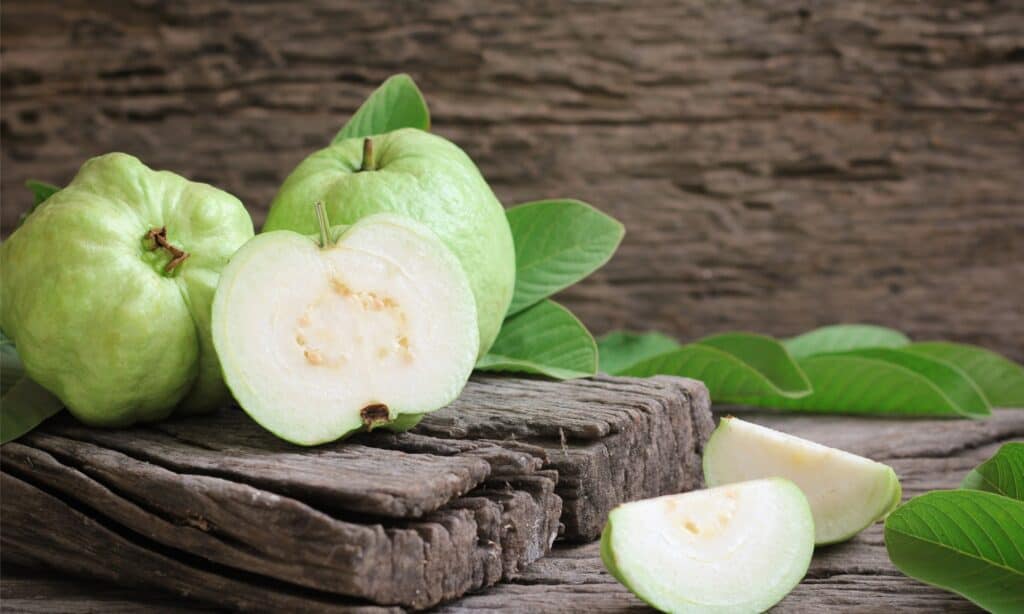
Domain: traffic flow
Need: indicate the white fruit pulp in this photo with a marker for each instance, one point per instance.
(846, 492)
(311, 336)
(734, 548)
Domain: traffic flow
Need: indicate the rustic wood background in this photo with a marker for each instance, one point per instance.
(778, 164)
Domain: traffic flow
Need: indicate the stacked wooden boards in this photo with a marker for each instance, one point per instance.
(217, 509)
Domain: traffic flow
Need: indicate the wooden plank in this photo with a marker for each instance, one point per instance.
(856, 575)
(778, 165)
(853, 576)
(410, 519)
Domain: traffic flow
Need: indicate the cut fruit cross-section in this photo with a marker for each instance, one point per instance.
(847, 492)
(736, 548)
(320, 340)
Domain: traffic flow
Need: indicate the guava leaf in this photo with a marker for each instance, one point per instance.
(767, 356)
(884, 382)
(1003, 474)
(397, 103)
(1000, 379)
(24, 404)
(965, 541)
(730, 366)
(546, 339)
(40, 192)
(842, 338)
(620, 349)
(558, 243)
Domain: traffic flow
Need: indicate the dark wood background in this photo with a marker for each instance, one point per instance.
(778, 164)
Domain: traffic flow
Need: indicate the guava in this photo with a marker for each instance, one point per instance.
(107, 288)
(423, 177)
(736, 548)
(363, 326)
(847, 492)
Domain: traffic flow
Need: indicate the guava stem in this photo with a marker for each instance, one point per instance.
(368, 164)
(374, 415)
(159, 238)
(321, 218)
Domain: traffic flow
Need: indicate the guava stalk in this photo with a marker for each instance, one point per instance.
(321, 218)
(158, 239)
(368, 163)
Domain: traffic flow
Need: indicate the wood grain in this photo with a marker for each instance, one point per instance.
(778, 165)
(853, 576)
(413, 519)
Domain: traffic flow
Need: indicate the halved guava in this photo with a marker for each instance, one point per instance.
(319, 339)
(735, 548)
(847, 492)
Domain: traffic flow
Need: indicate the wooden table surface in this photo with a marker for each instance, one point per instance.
(854, 576)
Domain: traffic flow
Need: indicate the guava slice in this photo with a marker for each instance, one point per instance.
(847, 492)
(320, 339)
(735, 548)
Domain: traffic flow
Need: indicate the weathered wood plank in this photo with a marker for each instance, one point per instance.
(853, 576)
(778, 165)
(409, 519)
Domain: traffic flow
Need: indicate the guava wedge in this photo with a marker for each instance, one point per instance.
(420, 176)
(365, 325)
(735, 548)
(107, 287)
(847, 492)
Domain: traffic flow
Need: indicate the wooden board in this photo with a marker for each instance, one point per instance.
(778, 165)
(854, 576)
(216, 508)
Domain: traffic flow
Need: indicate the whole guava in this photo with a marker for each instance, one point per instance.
(421, 176)
(107, 291)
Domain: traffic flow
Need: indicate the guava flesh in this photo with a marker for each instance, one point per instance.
(847, 492)
(425, 178)
(735, 548)
(317, 342)
(113, 323)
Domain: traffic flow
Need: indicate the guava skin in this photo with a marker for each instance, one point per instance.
(421, 176)
(86, 297)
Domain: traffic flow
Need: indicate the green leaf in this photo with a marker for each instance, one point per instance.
(767, 356)
(965, 541)
(558, 243)
(1003, 474)
(1001, 380)
(397, 103)
(954, 383)
(546, 339)
(40, 192)
(24, 404)
(620, 349)
(842, 338)
(731, 372)
(883, 382)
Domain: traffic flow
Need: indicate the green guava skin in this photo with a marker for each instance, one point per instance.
(424, 177)
(96, 318)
